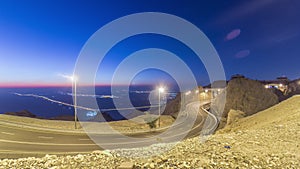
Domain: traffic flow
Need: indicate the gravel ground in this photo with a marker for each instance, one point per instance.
(272, 143)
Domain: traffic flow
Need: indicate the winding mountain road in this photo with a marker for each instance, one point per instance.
(22, 142)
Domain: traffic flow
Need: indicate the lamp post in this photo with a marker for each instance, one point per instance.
(160, 90)
(205, 93)
(74, 84)
(73, 79)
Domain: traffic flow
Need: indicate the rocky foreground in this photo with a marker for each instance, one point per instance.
(269, 139)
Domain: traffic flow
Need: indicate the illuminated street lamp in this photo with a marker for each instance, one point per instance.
(160, 90)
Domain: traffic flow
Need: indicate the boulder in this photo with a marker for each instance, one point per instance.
(234, 115)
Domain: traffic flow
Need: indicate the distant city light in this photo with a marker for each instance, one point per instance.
(197, 91)
(280, 85)
(91, 114)
(266, 86)
(188, 92)
(206, 90)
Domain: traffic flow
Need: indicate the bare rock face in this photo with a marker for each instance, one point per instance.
(173, 106)
(246, 95)
(234, 115)
(294, 87)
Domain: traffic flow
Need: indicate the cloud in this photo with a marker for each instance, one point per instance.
(279, 38)
(70, 77)
(242, 54)
(243, 9)
(233, 34)
(276, 38)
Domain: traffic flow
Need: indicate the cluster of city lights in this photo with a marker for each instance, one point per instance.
(276, 86)
(197, 91)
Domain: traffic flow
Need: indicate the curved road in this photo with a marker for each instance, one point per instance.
(21, 142)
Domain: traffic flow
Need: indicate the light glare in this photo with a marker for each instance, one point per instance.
(161, 89)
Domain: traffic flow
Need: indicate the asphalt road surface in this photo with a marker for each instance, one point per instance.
(22, 142)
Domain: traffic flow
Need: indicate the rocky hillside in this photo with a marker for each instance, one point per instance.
(268, 139)
(294, 87)
(246, 95)
(173, 106)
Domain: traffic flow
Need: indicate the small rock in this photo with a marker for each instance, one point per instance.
(126, 165)
(228, 147)
(152, 165)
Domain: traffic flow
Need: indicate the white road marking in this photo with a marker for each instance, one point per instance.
(121, 138)
(6, 150)
(45, 137)
(84, 139)
(47, 144)
(8, 133)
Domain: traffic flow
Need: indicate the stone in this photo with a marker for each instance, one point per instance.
(152, 165)
(234, 115)
(126, 165)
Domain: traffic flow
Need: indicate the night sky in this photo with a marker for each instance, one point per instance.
(41, 40)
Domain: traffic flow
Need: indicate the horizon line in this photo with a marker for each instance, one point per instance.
(67, 85)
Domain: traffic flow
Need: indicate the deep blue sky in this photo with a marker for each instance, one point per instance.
(40, 40)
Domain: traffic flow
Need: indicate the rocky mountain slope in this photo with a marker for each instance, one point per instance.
(246, 95)
(294, 87)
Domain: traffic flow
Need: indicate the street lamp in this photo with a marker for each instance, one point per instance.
(160, 90)
(73, 79)
(74, 85)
